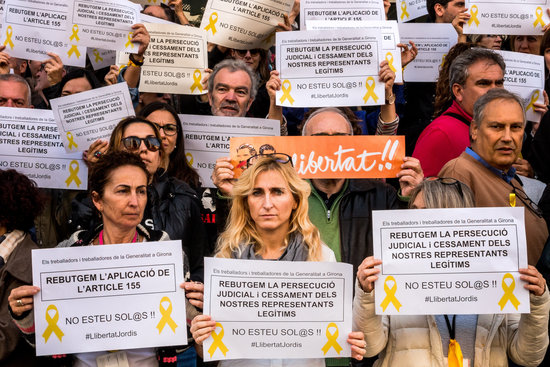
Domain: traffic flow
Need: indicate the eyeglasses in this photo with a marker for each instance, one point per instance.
(169, 129)
(253, 52)
(132, 143)
(333, 134)
(277, 157)
(449, 181)
(529, 204)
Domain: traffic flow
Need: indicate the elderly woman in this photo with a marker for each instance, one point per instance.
(485, 340)
(269, 221)
(21, 203)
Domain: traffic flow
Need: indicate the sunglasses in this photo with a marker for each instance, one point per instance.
(132, 143)
(169, 129)
(277, 157)
(253, 52)
(450, 182)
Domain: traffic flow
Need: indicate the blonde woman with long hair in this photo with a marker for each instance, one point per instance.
(269, 221)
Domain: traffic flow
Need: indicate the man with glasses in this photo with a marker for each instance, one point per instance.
(496, 136)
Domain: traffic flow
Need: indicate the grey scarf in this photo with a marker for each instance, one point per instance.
(295, 251)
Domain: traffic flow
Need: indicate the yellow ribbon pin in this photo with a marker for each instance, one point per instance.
(212, 23)
(370, 90)
(332, 340)
(539, 20)
(75, 33)
(286, 87)
(166, 318)
(74, 167)
(197, 76)
(389, 59)
(534, 98)
(74, 50)
(390, 294)
(129, 43)
(473, 15)
(98, 58)
(404, 10)
(9, 33)
(217, 343)
(442, 60)
(508, 292)
(189, 157)
(52, 324)
(512, 200)
(70, 138)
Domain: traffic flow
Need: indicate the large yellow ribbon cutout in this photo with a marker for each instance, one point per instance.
(370, 90)
(534, 98)
(473, 15)
(404, 10)
(508, 292)
(129, 43)
(70, 138)
(286, 87)
(197, 76)
(538, 13)
(166, 316)
(212, 23)
(98, 57)
(52, 324)
(217, 343)
(332, 340)
(389, 59)
(390, 294)
(454, 356)
(9, 33)
(73, 174)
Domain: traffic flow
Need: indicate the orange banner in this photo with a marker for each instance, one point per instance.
(370, 156)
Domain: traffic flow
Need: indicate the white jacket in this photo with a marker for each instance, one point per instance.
(415, 340)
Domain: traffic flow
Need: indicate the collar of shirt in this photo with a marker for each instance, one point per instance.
(506, 176)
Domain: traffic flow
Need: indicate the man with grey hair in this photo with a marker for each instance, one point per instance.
(471, 75)
(496, 136)
(14, 91)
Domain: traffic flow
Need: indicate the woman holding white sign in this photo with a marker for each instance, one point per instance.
(269, 221)
(465, 340)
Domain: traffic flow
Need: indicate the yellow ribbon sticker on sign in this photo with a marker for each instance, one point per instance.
(98, 58)
(70, 138)
(539, 20)
(332, 339)
(442, 60)
(404, 10)
(473, 15)
(212, 23)
(389, 59)
(74, 167)
(197, 76)
(508, 292)
(74, 50)
(512, 200)
(75, 33)
(166, 316)
(534, 98)
(217, 343)
(52, 324)
(189, 157)
(390, 294)
(370, 90)
(129, 43)
(9, 33)
(286, 87)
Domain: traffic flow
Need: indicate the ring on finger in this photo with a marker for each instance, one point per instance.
(20, 303)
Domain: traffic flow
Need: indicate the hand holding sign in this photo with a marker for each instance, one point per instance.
(367, 273)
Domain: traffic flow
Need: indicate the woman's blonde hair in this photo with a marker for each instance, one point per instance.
(443, 192)
(240, 228)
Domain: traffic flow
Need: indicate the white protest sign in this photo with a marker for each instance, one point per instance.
(95, 298)
(501, 17)
(329, 68)
(101, 58)
(244, 24)
(175, 60)
(206, 138)
(32, 28)
(270, 309)
(30, 143)
(102, 24)
(433, 40)
(85, 117)
(525, 76)
(408, 10)
(150, 2)
(339, 11)
(390, 39)
(450, 261)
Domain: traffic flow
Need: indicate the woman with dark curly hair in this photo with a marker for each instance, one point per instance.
(21, 203)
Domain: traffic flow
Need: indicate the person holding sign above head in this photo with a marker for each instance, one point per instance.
(428, 340)
(269, 221)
